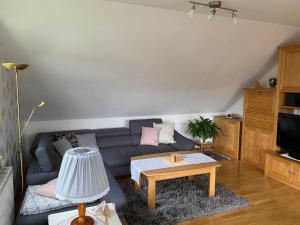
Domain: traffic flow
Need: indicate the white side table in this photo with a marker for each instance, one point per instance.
(65, 218)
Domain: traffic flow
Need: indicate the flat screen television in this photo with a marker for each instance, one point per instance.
(288, 134)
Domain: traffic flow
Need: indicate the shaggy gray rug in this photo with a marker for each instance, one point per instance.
(178, 200)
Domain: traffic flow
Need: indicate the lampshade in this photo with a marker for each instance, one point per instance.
(14, 66)
(82, 177)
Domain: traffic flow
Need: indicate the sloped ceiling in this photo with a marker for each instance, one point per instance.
(109, 59)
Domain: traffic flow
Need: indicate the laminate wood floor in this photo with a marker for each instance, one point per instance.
(272, 203)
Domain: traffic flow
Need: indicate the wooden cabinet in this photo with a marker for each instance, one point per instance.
(228, 142)
(289, 68)
(283, 169)
(259, 125)
(278, 167)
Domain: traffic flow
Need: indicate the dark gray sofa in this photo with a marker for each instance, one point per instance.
(117, 146)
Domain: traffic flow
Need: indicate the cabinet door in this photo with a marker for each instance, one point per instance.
(231, 142)
(250, 151)
(219, 141)
(280, 169)
(296, 180)
(260, 100)
(290, 69)
(263, 141)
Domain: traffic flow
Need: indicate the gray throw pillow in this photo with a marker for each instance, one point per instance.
(62, 146)
(87, 140)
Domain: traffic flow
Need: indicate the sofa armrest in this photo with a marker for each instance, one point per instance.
(183, 143)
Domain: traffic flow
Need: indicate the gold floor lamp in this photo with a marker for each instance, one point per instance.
(16, 67)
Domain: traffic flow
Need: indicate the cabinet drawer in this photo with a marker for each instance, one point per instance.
(259, 120)
(260, 100)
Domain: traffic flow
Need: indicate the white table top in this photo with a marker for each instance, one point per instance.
(139, 165)
(65, 218)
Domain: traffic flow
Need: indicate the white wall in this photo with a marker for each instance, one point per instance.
(237, 107)
(108, 59)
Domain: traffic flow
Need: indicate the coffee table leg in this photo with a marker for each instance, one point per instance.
(190, 177)
(151, 193)
(212, 183)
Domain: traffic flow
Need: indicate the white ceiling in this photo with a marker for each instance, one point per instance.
(106, 59)
(274, 11)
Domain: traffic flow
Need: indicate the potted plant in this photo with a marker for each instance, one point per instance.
(203, 129)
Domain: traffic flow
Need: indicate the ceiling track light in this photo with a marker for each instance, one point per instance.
(214, 5)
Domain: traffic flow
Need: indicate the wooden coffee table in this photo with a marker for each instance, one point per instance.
(175, 172)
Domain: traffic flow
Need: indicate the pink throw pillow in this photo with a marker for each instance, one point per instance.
(47, 190)
(150, 136)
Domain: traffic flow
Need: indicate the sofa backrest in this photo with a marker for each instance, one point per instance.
(135, 127)
(44, 151)
(113, 137)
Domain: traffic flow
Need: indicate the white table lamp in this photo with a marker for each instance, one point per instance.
(82, 179)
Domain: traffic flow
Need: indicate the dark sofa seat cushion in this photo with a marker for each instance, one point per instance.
(115, 195)
(118, 156)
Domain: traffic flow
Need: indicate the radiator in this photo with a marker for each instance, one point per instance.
(6, 196)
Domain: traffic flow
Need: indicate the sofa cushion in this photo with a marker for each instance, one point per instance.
(150, 136)
(35, 176)
(145, 150)
(71, 137)
(182, 143)
(118, 156)
(136, 125)
(48, 189)
(166, 134)
(114, 141)
(62, 146)
(112, 132)
(136, 139)
(87, 140)
(45, 153)
(117, 171)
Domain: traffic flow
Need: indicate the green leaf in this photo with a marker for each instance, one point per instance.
(203, 128)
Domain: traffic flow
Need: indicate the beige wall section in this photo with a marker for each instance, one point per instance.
(237, 107)
(107, 59)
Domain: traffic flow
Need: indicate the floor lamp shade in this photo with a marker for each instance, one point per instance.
(82, 177)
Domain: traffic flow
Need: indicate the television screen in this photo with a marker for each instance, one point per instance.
(288, 133)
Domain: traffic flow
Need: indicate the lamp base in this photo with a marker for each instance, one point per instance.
(88, 221)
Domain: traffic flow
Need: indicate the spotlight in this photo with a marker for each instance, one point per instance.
(211, 15)
(192, 11)
(234, 18)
